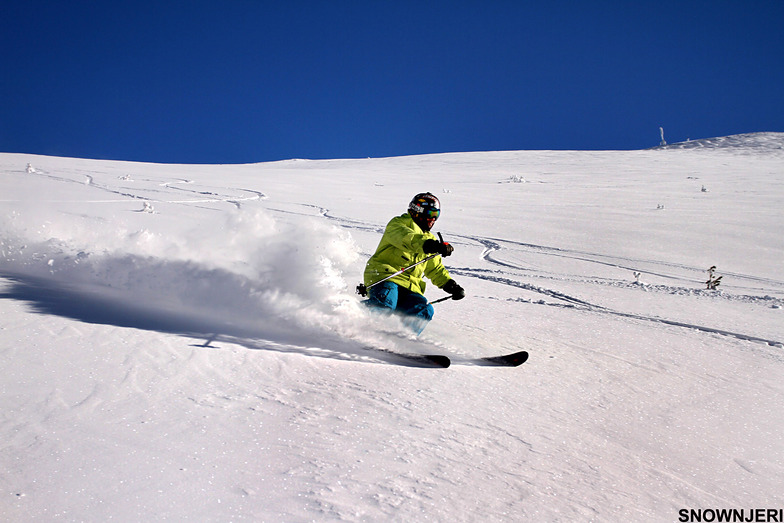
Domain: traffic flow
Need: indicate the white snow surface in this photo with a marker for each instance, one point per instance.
(183, 342)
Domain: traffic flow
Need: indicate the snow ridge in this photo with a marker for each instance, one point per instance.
(770, 143)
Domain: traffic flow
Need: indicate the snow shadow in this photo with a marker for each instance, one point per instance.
(98, 304)
(51, 297)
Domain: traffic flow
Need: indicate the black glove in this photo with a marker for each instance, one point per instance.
(457, 292)
(436, 247)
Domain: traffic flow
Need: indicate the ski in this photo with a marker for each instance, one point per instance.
(514, 359)
(506, 360)
(427, 360)
(412, 359)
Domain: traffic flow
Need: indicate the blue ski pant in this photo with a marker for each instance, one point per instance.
(412, 305)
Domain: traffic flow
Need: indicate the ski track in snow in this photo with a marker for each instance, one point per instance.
(149, 193)
(491, 246)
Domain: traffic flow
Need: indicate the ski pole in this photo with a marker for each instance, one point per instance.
(423, 307)
(362, 289)
(439, 300)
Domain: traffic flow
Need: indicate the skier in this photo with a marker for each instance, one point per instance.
(407, 240)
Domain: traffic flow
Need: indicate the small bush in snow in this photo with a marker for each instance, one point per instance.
(713, 281)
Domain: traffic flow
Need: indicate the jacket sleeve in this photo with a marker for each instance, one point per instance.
(436, 272)
(403, 237)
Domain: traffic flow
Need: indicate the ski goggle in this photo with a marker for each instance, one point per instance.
(426, 211)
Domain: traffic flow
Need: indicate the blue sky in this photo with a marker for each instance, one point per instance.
(236, 81)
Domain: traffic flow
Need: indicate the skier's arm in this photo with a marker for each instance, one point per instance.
(403, 237)
(437, 273)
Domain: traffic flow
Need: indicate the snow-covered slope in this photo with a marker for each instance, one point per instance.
(182, 342)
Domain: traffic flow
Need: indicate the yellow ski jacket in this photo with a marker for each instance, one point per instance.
(401, 246)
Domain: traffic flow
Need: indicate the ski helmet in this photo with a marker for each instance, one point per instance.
(424, 206)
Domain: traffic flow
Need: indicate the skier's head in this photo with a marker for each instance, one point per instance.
(424, 209)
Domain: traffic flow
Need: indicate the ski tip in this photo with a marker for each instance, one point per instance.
(514, 359)
(518, 358)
